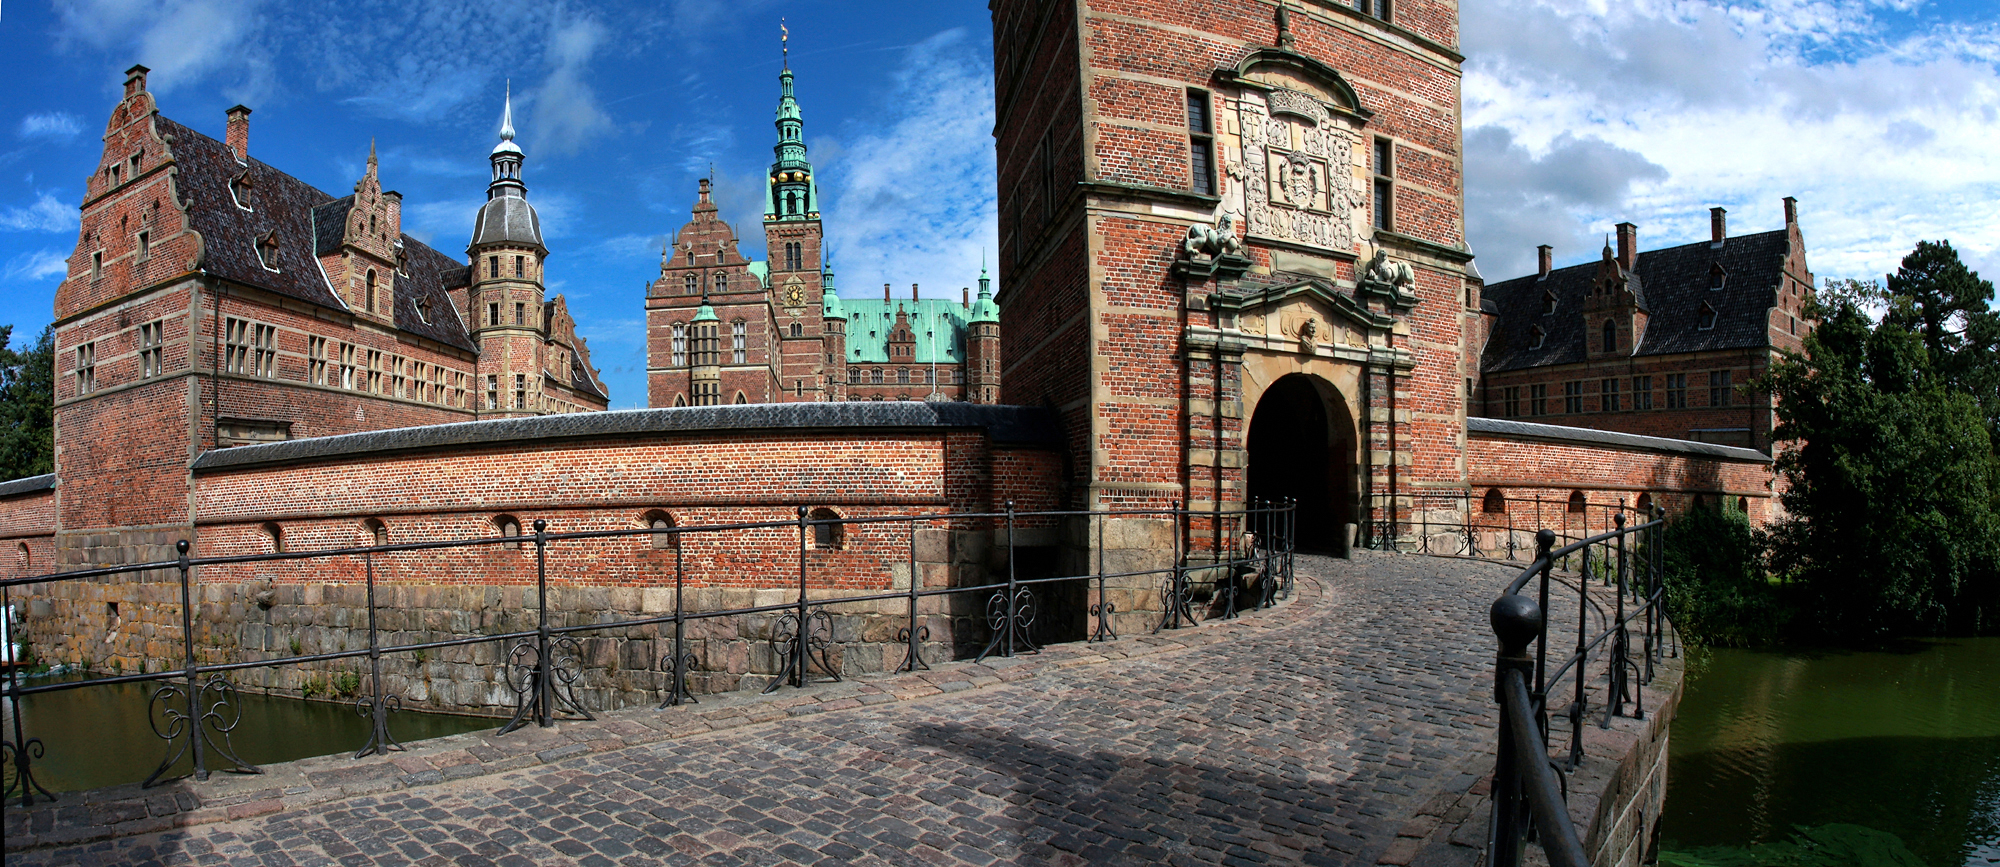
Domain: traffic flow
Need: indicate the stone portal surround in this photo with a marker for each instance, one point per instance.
(121, 811)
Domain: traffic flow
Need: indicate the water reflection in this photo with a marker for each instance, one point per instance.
(99, 735)
(1904, 740)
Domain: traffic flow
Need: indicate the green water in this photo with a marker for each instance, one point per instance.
(1904, 741)
(99, 735)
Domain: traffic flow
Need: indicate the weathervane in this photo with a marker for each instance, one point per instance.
(785, 43)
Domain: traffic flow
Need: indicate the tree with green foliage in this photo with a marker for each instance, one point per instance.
(27, 406)
(1713, 568)
(1892, 526)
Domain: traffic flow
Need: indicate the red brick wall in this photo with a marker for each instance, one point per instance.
(1524, 469)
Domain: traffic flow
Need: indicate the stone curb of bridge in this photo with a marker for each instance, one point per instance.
(128, 810)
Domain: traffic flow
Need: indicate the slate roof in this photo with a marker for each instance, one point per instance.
(28, 485)
(306, 222)
(1015, 425)
(1550, 433)
(1674, 286)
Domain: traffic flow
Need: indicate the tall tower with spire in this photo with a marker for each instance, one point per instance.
(506, 296)
(792, 235)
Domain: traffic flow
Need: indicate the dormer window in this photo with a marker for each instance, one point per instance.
(239, 189)
(1548, 303)
(1717, 276)
(424, 310)
(267, 251)
(1535, 337)
(1610, 335)
(1707, 317)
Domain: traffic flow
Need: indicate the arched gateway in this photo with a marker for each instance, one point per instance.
(1301, 447)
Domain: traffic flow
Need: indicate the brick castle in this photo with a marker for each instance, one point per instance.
(1232, 266)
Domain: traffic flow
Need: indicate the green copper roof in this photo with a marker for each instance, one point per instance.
(762, 271)
(830, 306)
(938, 323)
(706, 313)
(984, 310)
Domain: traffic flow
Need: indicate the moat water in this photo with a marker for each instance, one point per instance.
(1904, 741)
(100, 735)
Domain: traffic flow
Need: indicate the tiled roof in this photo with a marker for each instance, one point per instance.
(1016, 425)
(1674, 285)
(28, 485)
(306, 222)
(1550, 433)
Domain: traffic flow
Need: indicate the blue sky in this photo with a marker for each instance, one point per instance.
(1879, 115)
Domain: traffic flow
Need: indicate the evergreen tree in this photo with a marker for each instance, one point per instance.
(27, 406)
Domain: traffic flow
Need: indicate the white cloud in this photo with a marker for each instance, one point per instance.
(1882, 132)
(54, 126)
(908, 201)
(46, 214)
(38, 266)
(566, 113)
(182, 41)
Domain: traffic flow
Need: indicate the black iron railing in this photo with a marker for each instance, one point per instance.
(194, 709)
(1456, 523)
(1529, 786)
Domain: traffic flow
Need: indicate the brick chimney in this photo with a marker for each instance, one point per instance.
(239, 133)
(1544, 255)
(135, 80)
(913, 292)
(885, 294)
(1718, 226)
(965, 296)
(1628, 245)
(1791, 212)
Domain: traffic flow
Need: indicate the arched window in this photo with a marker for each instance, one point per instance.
(798, 330)
(1645, 505)
(274, 538)
(1495, 502)
(1743, 505)
(26, 558)
(875, 376)
(791, 203)
(680, 400)
(508, 527)
(378, 532)
(371, 290)
(692, 283)
(1576, 502)
(1610, 336)
(742, 398)
(830, 535)
(658, 520)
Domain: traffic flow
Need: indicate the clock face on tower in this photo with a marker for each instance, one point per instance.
(796, 295)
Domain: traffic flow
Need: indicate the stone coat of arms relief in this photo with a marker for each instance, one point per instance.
(1297, 170)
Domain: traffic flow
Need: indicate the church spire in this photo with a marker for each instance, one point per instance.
(792, 193)
(507, 217)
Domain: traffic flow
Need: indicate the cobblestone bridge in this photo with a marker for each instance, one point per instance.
(1348, 726)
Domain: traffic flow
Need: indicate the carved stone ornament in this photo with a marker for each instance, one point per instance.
(1390, 280)
(1284, 101)
(1204, 242)
(1298, 167)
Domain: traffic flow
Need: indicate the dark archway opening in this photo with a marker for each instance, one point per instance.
(1301, 446)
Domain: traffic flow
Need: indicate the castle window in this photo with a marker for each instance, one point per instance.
(1201, 145)
(680, 345)
(493, 267)
(927, 377)
(374, 372)
(236, 345)
(145, 245)
(274, 538)
(1718, 388)
(1512, 402)
(423, 307)
(378, 532)
(1535, 337)
(86, 368)
(316, 360)
(152, 348)
(741, 398)
(1642, 392)
(902, 376)
(25, 558)
(1645, 506)
(520, 266)
(1677, 391)
(267, 251)
(97, 265)
(1607, 393)
(827, 532)
(1538, 399)
(798, 330)
(791, 203)
(944, 376)
(1377, 8)
(400, 389)
(660, 522)
(520, 391)
(680, 400)
(691, 284)
(1707, 320)
(1384, 183)
(509, 527)
(493, 313)
(371, 290)
(1717, 277)
(1577, 503)
(492, 391)
(875, 376)
(854, 376)
(347, 366)
(520, 313)
(1573, 396)
(721, 282)
(1495, 502)
(1610, 336)
(738, 333)
(239, 189)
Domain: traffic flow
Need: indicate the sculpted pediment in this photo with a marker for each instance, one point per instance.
(1309, 312)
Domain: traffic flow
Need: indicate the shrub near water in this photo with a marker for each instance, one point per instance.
(1716, 590)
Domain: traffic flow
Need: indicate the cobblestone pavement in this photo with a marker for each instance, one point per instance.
(1316, 738)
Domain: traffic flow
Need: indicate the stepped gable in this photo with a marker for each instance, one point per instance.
(1675, 281)
(307, 223)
